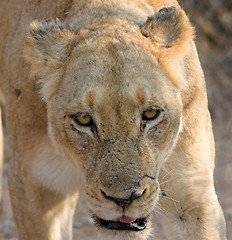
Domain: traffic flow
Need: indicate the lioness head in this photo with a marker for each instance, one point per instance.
(113, 97)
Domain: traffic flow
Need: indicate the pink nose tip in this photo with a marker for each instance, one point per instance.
(125, 219)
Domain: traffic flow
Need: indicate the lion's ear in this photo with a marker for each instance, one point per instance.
(169, 28)
(172, 34)
(48, 44)
(49, 40)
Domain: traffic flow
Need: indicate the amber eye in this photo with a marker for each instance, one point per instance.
(83, 119)
(151, 114)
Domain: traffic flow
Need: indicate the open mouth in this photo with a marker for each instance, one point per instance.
(137, 225)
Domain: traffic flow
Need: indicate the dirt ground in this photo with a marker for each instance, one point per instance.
(212, 19)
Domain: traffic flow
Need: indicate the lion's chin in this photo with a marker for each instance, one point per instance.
(140, 229)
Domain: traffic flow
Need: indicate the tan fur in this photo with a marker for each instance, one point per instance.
(106, 58)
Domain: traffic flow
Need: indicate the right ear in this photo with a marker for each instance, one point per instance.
(48, 44)
(169, 30)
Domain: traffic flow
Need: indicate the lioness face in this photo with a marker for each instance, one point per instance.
(117, 115)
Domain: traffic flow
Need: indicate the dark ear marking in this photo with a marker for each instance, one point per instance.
(44, 27)
(164, 14)
(40, 29)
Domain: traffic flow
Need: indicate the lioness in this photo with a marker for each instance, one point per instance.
(109, 99)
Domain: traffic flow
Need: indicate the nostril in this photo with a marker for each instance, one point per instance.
(103, 193)
(144, 191)
(122, 201)
(138, 194)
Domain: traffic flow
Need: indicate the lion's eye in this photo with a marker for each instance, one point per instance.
(150, 114)
(83, 119)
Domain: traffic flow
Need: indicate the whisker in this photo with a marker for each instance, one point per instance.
(177, 210)
(167, 174)
(159, 212)
(169, 180)
(168, 197)
(158, 206)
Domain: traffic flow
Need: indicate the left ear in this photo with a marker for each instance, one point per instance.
(48, 45)
(169, 28)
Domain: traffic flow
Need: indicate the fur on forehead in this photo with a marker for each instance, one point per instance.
(49, 43)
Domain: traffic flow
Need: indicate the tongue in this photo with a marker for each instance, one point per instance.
(125, 219)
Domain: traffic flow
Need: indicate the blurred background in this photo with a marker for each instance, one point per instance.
(213, 22)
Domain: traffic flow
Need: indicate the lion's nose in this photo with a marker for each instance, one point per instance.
(124, 202)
